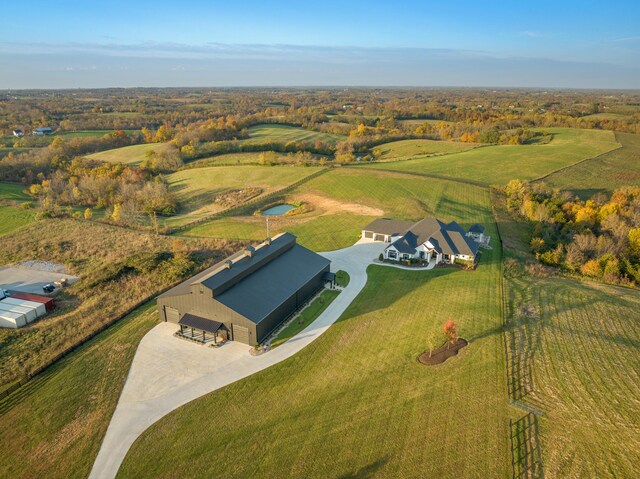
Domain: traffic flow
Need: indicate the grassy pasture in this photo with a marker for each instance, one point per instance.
(499, 164)
(405, 149)
(54, 425)
(13, 218)
(578, 365)
(356, 403)
(88, 133)
(230, 159)
(322, 229)
(283, 133)
(603, 174)
(129, 155)
(196, 188)
(13, 192)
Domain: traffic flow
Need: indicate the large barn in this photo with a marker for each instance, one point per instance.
(246, 296)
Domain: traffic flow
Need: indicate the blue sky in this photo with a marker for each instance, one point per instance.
(67, 44)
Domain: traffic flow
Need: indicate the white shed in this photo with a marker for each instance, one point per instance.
(9, 319)
(39, 307)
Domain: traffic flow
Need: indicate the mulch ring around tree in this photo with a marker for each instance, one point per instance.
(443, 353)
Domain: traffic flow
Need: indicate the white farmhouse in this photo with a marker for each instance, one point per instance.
(427, 240)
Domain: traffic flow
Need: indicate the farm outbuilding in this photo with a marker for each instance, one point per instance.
(246, 296)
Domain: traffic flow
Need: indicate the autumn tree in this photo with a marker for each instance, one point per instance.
(88, 214)
(450, 330)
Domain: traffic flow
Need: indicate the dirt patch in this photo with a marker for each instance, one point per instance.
(444, 352)
(331, 206)
(43, 266)
(236, 197)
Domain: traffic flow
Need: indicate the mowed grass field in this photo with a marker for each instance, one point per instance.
(581, 358)
(344, 200)
(197, 188)
(13, 192)
(603, 174)
(356, 402)
(246, 158)
(129, 155)
(496, 165)
(54, 425)
(13, 218)
(283, 133)
(405, 149)
(88, 133)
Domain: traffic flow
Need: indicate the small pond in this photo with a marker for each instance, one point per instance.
(278, 210)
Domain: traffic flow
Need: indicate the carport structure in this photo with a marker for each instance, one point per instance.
(192, 323)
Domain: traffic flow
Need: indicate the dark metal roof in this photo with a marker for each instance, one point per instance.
(202, 324)
(218, 277)
(477, 228)
(260, 293)
(329, 276)
(387, 226)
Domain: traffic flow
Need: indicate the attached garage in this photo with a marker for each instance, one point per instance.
(368, 234)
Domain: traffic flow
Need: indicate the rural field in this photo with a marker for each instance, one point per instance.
(59, 419)
(13, 192)
(604, 174)
(283, 133)
(197, 189)
(410, 149)
(385, 414)
(129, 155)
(13, 218)
(88, 133)
(498, 164)
(230, 159)
(574, 354)
(344, 200)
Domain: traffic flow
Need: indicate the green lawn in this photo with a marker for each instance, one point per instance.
(13, 218)
(197, 188)
(396, 195)
(54, 425)
(250, 158)
(13, 192)
(306, 317)
(284, 133)
(406, 149)
(497, 165)
(129, 155)
(88, 133)
(355, 402)
(604, 174)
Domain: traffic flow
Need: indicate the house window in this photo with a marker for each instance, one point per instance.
(391, 254)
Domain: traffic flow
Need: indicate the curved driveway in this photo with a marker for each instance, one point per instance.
(167, 372)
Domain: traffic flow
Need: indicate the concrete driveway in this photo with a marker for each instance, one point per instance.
(168, 372)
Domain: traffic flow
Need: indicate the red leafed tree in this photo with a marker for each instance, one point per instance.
(450, 330)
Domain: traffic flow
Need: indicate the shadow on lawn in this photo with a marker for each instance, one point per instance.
(367, 471)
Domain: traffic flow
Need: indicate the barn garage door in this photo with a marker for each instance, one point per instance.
(378, 237)
(240, 334)
(173, 316)
(368, 234)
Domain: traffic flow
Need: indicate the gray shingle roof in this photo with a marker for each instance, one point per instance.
(387, 226)
(477, 228)
(446, 238)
